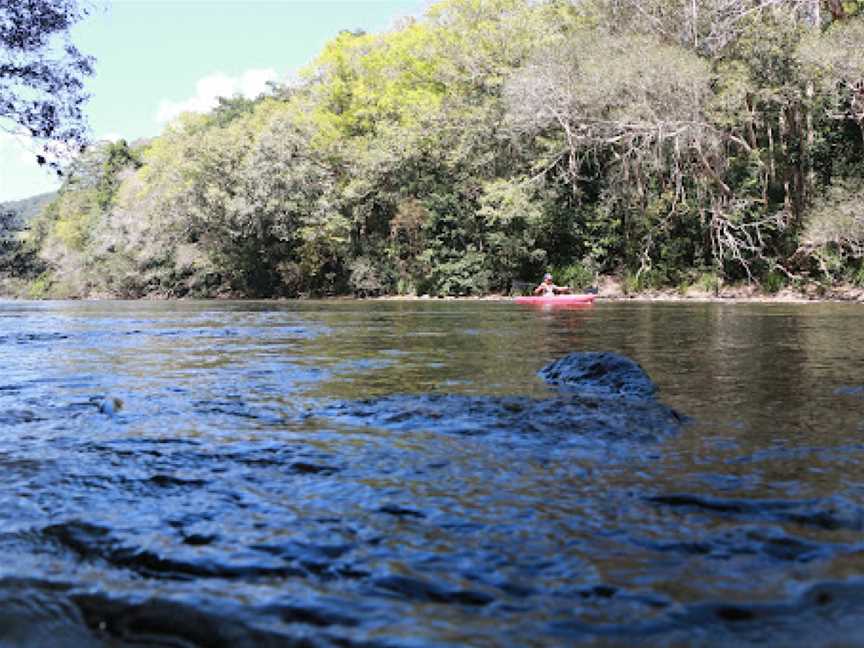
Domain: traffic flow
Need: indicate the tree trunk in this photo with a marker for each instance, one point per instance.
(751, 131)
(800, 167)
(784, 151)
(695, 25)
(810, 139)
(772, 167)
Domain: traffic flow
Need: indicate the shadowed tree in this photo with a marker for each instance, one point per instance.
(41, 75)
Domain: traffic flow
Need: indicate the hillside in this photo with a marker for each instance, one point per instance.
(470, 151)
(20, 212)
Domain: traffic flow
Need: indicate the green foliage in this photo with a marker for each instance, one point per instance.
(710, 282)
(452, 262)
(454, 274)
(512, 214)
(118, 158)
(468, 150)
(774, 282)
(578, 276)
(630, 284)
(323, 253)
(76, 214)
(40, 287)
(230, 108)
(366, 279)
(834, 235)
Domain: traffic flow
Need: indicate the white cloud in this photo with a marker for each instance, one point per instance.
(207, 91)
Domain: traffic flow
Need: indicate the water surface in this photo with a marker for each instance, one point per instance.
(197, 473)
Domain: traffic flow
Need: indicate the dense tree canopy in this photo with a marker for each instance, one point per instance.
(665, 142)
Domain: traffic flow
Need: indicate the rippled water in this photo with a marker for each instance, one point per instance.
(338, 473)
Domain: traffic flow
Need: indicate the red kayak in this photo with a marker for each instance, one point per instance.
(556, 299)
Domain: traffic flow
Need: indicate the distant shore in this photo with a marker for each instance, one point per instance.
(612, 290)
(608, 289)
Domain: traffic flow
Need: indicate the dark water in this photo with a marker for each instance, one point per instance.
(339, 474)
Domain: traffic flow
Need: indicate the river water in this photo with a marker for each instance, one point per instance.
(338, 473)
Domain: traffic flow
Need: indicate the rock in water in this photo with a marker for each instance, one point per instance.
(41, 615)
(600, 373)
(110, 406)
(605, 397)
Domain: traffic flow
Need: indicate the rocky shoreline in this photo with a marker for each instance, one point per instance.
(610, 289)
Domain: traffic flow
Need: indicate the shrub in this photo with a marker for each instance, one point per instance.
(710, 282)
(291, 278)
(366, 279)
(458, 275)
(577, 275)
(774, 282)
(40, 287)
(648, 280)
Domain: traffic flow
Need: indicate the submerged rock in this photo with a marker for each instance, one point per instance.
(590, 406)
(40, 615)
(568, 415)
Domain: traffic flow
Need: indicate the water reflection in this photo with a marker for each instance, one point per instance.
(232, 492)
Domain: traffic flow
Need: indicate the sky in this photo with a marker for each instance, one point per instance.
(157, 58)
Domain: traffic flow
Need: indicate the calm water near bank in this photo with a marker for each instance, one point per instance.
(257, 486)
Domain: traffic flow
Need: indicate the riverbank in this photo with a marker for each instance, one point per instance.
(608, 289)
(611, 289)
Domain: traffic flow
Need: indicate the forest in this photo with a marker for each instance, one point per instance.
(665, 143)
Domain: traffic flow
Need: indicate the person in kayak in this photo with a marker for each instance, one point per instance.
(548, 288)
